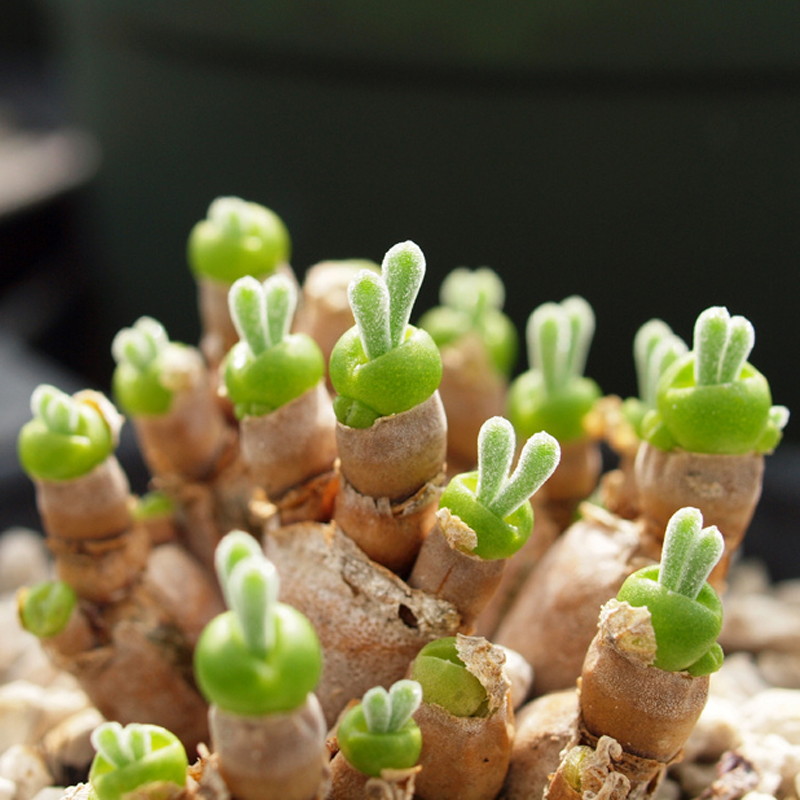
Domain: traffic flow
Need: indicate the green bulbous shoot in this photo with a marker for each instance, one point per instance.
(379, 733)
(45, 609)
(712, 400)
(447, 682)
(493, 503)
(685, 611)
(153, 505)
(237, 238)
(262, 656)
(134, 757)
(553, 395)
(383, 365)
(66, 438)
(472, 301)
(150, 368)
(268, 367)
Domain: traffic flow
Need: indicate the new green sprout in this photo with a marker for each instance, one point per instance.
(471, 301)
(66, 438)
(493, 503)
(45, 609)
(237, 238)
(134, 757)
(553, 395)
(269, 366)
(379, 733)
(712, 400)
(261, 656)
(686, 612)
(383, 365)
(447, 682)
(150, 368)
(655, 347)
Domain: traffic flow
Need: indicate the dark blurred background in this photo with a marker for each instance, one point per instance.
(645, 155)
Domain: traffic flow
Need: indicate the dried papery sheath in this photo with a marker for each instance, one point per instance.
(466, 719)
(644, 681)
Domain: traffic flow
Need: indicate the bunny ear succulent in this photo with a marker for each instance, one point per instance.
(261, 657)
(269, 366)
(685, 611)
(134, 757)
(494, 503)
(150, 368)
(383, 365)
(237, 238)
(67, 437)
(472, 300)
(553, 395)
(655, 347)
(379, 733)
(712, 400)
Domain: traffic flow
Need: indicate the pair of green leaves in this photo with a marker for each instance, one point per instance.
(269, 367)
(133, 757)
(262, 656)
(685, 611)
(66, 438)
(379, 733)
(495, 503)
(711, 400)
(383, 365)
(553, 395)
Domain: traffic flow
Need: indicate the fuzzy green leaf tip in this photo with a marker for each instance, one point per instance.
(722, 345)
(473, 291)
(559, 336)
(132, 757)
(250, 586)
(689, 553)
(502, 493)
(387, 712)
(262, 313)
(655, 347)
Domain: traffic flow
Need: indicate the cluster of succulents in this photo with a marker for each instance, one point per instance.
(357, 566)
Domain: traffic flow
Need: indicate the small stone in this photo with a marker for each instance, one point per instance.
(26, 768)
(24, 559)
(67, 747)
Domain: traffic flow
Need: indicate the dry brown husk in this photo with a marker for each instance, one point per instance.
(543, 729)
(726, 489)
(390, 533)
(472, 391)
(446, 569)
(601, 779)
(274, 756)
(133, 657)
(292, 444)
(96, 505)
(370, 623)
(347, 783)
(102, 570)
(466, 758)
(554, 616)
(187, 440)
(397, 454)
(207, 510)
(649, 711)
